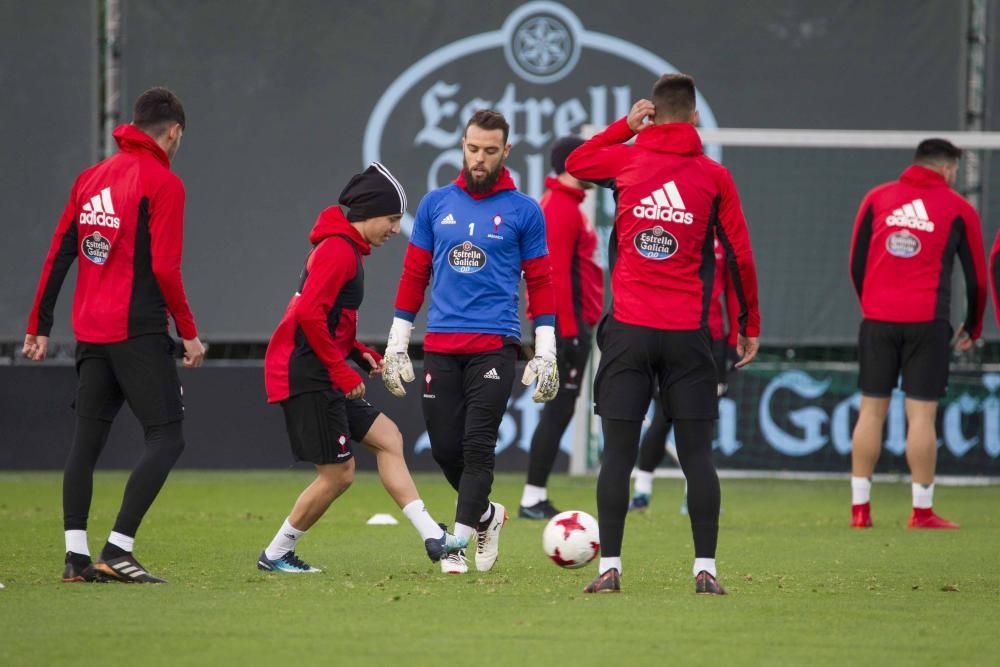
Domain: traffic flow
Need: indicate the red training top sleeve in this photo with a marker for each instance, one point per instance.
(970, 253)
(995, 274)
(603, 155)
(330, 266)
(62, 253)
(735, 238)
(166, 231)
(860, 242)
(538, 277)
(413, 282)
(591, 276)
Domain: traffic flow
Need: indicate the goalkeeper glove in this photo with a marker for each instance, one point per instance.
(543, 367)
(398, 368)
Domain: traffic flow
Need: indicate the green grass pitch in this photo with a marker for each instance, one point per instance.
(805, 589)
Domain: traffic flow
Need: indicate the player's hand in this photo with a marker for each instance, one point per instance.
(746, 348)
(194, 353)
(962, 341)
(35, 347)
(397, 366)
(543, 367)
(376, 367)
(357, 392)
(637, 117)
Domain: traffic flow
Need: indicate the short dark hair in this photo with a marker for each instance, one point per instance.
(674, 96)
(488, 119)
(935, 151)
(157, 108)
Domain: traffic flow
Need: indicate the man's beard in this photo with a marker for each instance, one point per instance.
(486, 184)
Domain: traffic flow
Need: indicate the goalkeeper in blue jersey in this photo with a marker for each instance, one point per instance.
(475, 237)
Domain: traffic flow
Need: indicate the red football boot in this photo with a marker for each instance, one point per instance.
(926, 518)
(861, 515)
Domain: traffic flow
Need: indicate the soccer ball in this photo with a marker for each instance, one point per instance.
(571, 539)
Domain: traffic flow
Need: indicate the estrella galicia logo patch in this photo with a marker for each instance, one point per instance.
(466, 257)
(656, 243)
(902, 244)
(96, 248)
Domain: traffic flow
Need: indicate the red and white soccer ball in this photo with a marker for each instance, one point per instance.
(571, 539)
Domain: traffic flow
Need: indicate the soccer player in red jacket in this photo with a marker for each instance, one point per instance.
(906, 237)
(578, 283)
(323, 398)
(125, 222)
(673, 202)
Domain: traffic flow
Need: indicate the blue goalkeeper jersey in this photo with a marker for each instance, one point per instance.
(477, 248)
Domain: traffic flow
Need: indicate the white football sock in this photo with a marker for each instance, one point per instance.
(609, 563)
(284, 541)
(861, 490)
(644, 482)
(488, 514)
(464, 532)
(76, 541)
(532, 495)
(923, 496)
(123, 542)
(421, 519)
(706, 564)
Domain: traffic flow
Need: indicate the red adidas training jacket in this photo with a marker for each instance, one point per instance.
(125, 221)
(673, 202)
(906, 236)
(577, 279)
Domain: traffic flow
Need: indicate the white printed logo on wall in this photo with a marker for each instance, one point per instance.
(541, 92)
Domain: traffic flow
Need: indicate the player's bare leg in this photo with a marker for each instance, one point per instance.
(332, 479)
(866, 445)
(921, 440)
(386, 442)
(921, 456)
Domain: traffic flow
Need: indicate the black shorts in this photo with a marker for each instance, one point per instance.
(637, 360)
(140, 370)
(322, 424)
(920, 351)
(571, 357)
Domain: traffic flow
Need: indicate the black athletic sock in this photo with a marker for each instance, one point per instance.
(111, 551)
(78, 560)
(653, 448)
(621, 442)
(552, 423)
(164, 444)
(694, 449)
(78, 476)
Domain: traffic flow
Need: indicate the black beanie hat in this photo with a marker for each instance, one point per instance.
(373, 193)
(561, 150)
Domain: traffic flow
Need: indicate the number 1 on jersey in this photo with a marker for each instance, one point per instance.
(472, 226)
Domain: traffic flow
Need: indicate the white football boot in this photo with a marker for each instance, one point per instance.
(454, 563)
(488, 539)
